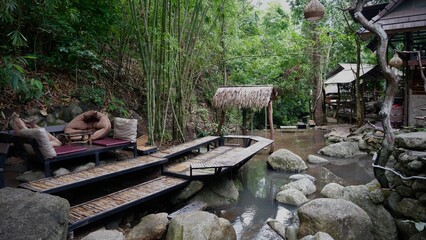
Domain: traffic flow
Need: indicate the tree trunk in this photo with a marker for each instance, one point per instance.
(392, 81)
(271, 127)
(358, 94)
(318, 97)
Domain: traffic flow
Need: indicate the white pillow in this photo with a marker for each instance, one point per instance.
(42, 138)
(125, 129)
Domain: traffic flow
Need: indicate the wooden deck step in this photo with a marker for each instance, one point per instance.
(96, 209)
(194, 206)
(183, 169)
(145, 150)
(186, 147)
(67, 181)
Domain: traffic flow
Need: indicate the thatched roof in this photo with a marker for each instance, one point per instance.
(244, 96)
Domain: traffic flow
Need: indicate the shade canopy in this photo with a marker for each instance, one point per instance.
(347, 73)
(244, 96)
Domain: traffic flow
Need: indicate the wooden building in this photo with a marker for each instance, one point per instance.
(405, 23)
(340, 88)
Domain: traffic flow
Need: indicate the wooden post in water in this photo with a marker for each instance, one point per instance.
(244, 121)
(222, 120)
(271, 126)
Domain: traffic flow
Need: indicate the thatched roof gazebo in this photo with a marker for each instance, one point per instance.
(245, 97)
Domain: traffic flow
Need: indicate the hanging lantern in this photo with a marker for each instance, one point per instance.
(395, 61)
(314, 10)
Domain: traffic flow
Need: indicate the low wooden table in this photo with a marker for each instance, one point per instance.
(77, 137)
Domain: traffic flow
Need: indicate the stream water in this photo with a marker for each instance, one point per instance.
(260, 184)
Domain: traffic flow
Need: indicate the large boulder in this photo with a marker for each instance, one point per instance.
(413, 140)
(342, 219)
(286, 160)
(151, 227)
(384, 226)
(199, 225)
(291, 196)
(221, 193)
(29, 215)
(411, 208)
(341, 150)
(318, 236)
(187, 192)
(304, 185)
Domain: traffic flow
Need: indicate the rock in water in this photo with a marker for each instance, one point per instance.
(151, 227)
(304, 185)
(291, 196)
(199, 225)
(220, 193)
(277, 226)
(341, 150)
(286, 160)
(29, 215)
(316, 160)
(342, 219)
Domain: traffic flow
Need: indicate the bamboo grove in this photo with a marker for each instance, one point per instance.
(170, 36)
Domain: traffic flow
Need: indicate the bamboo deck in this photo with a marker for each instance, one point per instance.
(67, 181)
(183, 169)
(186, 147)
(219, 160)
(93, 210)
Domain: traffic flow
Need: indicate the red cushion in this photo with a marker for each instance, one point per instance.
(110, 142)
(65, 149)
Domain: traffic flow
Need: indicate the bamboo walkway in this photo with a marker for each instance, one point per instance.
(216, 161)
(67, 181)
(96, 209)
(187, 147)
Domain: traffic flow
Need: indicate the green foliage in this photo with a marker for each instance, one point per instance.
(91, 95)
(118, 107)
(33, 90)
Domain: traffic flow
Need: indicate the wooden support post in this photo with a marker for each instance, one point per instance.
(244, 122)
(271, 126)
(222, 120)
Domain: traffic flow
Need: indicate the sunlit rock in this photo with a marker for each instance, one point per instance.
(286, 160)
(200, 225)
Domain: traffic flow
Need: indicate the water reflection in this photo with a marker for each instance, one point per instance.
(260, 184)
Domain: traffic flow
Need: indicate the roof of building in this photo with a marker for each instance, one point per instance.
(397, 16)
(244, 96)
